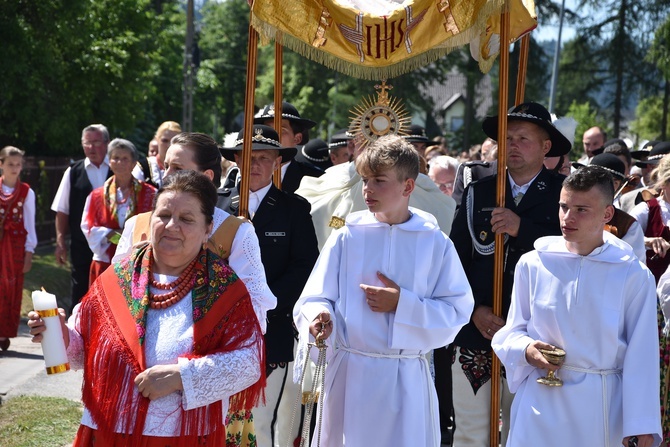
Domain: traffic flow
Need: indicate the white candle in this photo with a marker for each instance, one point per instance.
(53, 346)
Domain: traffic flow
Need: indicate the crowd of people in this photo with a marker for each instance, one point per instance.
(192, 322)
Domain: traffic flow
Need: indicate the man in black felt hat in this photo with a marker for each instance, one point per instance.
(287, 239)
(618, 147)
(294, 132)
(314, 153)
(417, 136)
(628, 201)
(530, 211)
(341, 147)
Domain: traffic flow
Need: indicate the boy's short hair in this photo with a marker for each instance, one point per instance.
(586, 178)
(389, 152)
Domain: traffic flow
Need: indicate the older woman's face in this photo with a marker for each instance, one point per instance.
(121, 162)
(178, 231)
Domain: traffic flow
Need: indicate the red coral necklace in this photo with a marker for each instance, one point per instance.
(179, 288)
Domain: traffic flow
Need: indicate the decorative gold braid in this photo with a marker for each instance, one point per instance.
(336, 222)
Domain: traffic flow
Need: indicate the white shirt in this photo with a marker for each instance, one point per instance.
(244, 259)
(96, 236)
(256, 197)
(520, 189)
(96, 175)
(641, 213)
(284, 167)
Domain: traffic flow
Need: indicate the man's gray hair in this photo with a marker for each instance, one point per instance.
(97, 128)
(443, 161)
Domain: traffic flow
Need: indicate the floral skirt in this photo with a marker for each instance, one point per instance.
(240, 429)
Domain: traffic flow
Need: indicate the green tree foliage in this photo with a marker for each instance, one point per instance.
(649, 116)
(219, 94)
(659, 55)
(69, 64)
(605, 63)
(587, 116)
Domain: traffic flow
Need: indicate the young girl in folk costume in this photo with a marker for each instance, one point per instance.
(107, 208)
(17, 240)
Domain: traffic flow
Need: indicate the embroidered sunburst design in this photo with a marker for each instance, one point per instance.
(376, 118)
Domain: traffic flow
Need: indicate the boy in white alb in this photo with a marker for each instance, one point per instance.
(586, 293)
(388, 287)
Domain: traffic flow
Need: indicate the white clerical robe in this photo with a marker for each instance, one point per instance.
(339, 192)
(378, 388)
(601, 309)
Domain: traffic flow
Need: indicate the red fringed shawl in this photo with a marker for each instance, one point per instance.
(113, 322)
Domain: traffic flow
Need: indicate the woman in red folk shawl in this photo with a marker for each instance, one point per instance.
(108, 208)
(17, 240)
(168, 338)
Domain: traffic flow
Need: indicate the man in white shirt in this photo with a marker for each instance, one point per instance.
(77, 183)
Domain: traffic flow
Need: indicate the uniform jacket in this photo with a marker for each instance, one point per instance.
(539, 217)
(295, 172)
(469, 172)
(288, 250)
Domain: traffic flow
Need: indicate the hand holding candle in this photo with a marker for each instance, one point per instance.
(53, 346)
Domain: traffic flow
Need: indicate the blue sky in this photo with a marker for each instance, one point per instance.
(549, 31)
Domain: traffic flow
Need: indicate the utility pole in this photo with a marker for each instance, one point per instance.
(189, 70)
(557, 56)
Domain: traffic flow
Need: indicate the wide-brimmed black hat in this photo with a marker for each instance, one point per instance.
(417, 134)
(535, 113)
(263, 138)
(315, 153)
(288, 111)
(609, 162)
(340, 138)
(643, 153)
(659, 151)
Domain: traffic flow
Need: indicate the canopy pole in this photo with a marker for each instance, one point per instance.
(523, 67)
(279, 66)
(249, 100)
(500, 202)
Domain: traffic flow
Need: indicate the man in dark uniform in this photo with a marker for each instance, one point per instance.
(531, 211)
(469, 172)
(77, 183)
(417, 136)
(294, 132)
(287, 239)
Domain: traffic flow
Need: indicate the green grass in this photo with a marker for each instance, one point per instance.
(44, 273)
(31, 421)
(28, 421)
